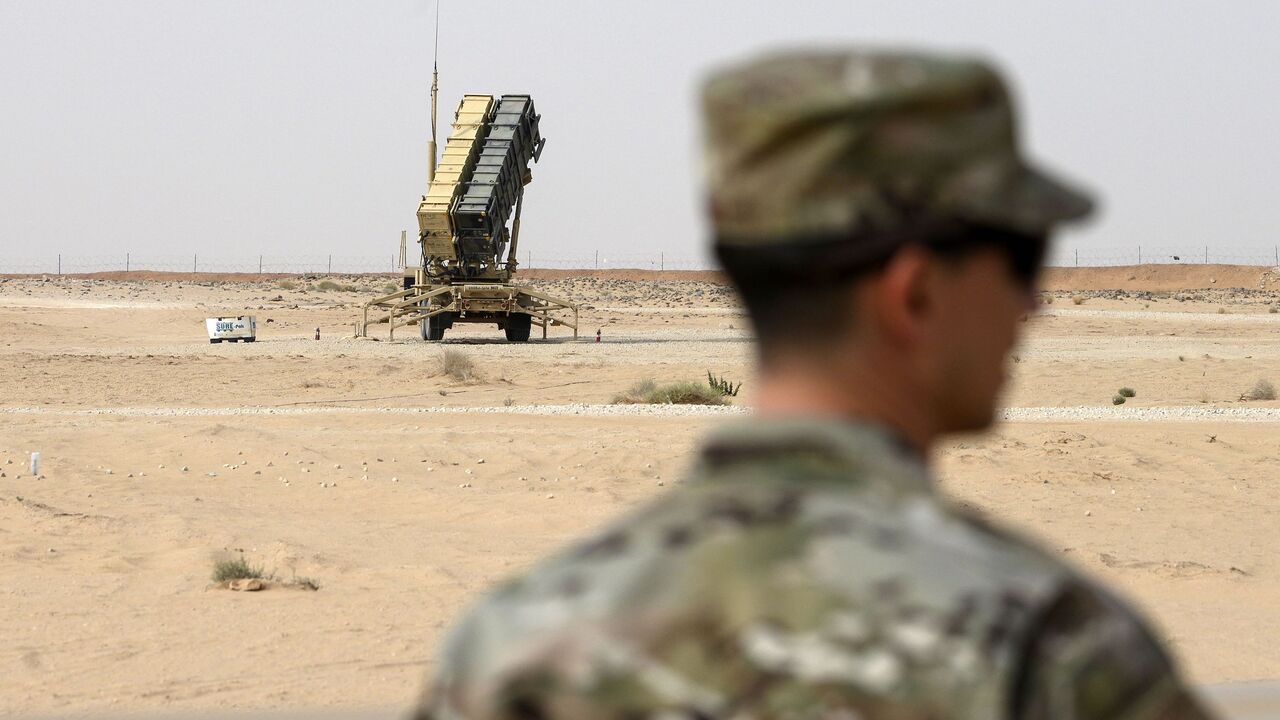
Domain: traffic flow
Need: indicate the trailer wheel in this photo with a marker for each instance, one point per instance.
(517, 327)
(432, 329)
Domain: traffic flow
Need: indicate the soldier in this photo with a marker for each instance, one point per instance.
(885, 234)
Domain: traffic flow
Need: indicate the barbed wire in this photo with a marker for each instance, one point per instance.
(60, 264)
(56, 264)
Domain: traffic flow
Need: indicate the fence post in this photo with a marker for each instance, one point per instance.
(126, 262)
(662, 261)
(330, 272)
(1077, 257)
(597, 259)
(1139, 254)
(1206, 254)
(259, 264)
(59, 264)
(193, 262)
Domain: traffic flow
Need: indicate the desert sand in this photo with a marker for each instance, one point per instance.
(404, 493)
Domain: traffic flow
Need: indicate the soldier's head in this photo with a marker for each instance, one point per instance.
(875, 205)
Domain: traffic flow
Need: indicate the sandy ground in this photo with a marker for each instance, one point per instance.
(403, 517)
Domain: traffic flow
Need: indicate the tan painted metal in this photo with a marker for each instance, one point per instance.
(470, 303)
(435, 225)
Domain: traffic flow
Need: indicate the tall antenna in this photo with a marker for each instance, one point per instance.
(435, 61)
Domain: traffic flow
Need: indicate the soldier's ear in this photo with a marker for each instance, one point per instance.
(903, 297)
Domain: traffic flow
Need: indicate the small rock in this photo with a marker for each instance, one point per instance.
(159, 467)
(212, 474)
(660, 483)
(480, 461)
(337, 466)
(245, 585)
(185, 468)
(551, 496)
(395, 479)
(1087, 513)
(108, 471)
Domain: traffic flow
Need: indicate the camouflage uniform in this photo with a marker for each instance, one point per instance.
(807, 568)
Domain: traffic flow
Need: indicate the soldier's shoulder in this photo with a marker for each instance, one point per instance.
(776, 579)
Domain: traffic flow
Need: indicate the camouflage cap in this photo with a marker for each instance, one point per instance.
(829, 144)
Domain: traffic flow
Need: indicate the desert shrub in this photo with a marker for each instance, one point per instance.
(1077, 299)
(1117, 399)
(457, 365)
(288, 285)
(1274, 309)
(648, 392)
(237, 569)
(389, 288)
(328, 285)
(305, 583)
(724, 386)
(1126, 392)
(1261, 390)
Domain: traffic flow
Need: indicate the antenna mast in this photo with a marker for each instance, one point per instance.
(431, 145)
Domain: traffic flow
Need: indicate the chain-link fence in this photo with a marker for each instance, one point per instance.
(59, 264)
(1165, 255)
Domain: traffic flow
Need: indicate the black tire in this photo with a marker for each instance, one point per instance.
(432, 328)
(215, 341)
(517, 327)
(250, 339)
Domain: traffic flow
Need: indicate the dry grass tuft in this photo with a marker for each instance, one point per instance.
(288, 285)
(648, 392)
(1077, 299)
(457, 365)
(237, 569)
(1261, 390)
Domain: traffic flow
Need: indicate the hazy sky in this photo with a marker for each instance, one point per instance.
(239, 128)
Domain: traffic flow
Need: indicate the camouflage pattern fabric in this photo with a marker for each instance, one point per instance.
(812, 145)
(807, 569)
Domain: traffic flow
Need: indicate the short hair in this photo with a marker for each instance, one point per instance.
(798, 294)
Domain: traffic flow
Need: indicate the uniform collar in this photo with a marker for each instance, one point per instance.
(828, 449)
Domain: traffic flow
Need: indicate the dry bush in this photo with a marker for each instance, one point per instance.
(1077, 299)
(237, 569)
(1117, 399)
(648, 392)
(457, 365)
(328, 285)
(288, 285)
(1126, 392)
(1261, 390)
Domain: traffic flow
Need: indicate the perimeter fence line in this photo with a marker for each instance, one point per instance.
(62, 264)
(1165, 255)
